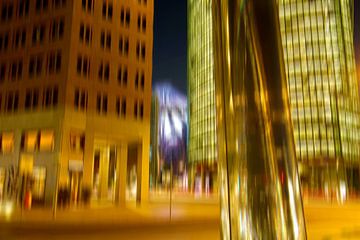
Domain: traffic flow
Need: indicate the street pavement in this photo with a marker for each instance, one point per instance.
(189, 220)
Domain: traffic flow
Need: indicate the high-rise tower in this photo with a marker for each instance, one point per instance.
(201, 87)
(318, 47)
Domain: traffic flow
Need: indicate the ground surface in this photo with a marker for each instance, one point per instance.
(189, 221)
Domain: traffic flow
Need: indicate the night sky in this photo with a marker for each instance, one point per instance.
(170, 34)
(170, 27)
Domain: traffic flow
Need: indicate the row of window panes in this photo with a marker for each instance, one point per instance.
(23, 6)
(107, 13)
(35, 66)
(31, 141)
(83, 69)
(19, 36)
(120, 106)
(49, 99)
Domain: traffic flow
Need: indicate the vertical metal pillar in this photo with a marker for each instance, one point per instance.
(259, 183)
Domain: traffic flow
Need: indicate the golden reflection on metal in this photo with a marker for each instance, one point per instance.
(259, 185)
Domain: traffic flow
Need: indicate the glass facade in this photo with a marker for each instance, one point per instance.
(317, 38)
(202, 136)
(260, 188)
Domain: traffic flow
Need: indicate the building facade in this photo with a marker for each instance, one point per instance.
(318, 49)
(75, 90)
(201, 89)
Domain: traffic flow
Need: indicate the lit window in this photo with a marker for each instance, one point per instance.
(29, 141)
(38, 186)
(7, 142)
(47, 140)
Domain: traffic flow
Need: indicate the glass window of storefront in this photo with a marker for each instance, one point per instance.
(7, 142)
(38, 187)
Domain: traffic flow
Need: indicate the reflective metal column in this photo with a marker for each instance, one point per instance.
(259, 185)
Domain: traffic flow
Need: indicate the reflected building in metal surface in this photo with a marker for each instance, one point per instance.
(260, 189)
(201, 88)
(318, 48)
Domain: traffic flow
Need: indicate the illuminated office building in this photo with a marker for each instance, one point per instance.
(75, 93)
(318, 47)
(201, 89)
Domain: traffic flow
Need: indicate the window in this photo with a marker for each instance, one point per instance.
(34, 140)
(83, 66)
(136, 109)
(35, 65)
(23, 8)
(121, 106)
(6, 142)
(88, 5)
(4, 41)
(50, 97)
(47, 140)
(122, 76)
(107, 10)
(124, 46)
(141, 23)
(85, 34)
(101, 103)
(2, 73)
(139, 109)
(77, 141)
(12, 101)
(7, 11)
(30, 141)
(41, 5)
(19, 38)
(38, 184)
(57, 29)
(80, 99)
(16, 68)
(144, 2)
(54, 62)
(38, 34)
(140, 80)
(59, 3)
(31, 99)
(125, 17)
(104, 72)
(140, 51)
(105, 40)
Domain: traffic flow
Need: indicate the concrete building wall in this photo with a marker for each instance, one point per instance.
(68, 116)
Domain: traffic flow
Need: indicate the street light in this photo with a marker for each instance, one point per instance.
(173, 133)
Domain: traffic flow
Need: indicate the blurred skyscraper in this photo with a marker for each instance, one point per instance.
(201, 91)
(318, 47)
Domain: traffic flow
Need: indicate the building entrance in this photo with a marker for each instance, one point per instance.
(105, 173)
(75, 186)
